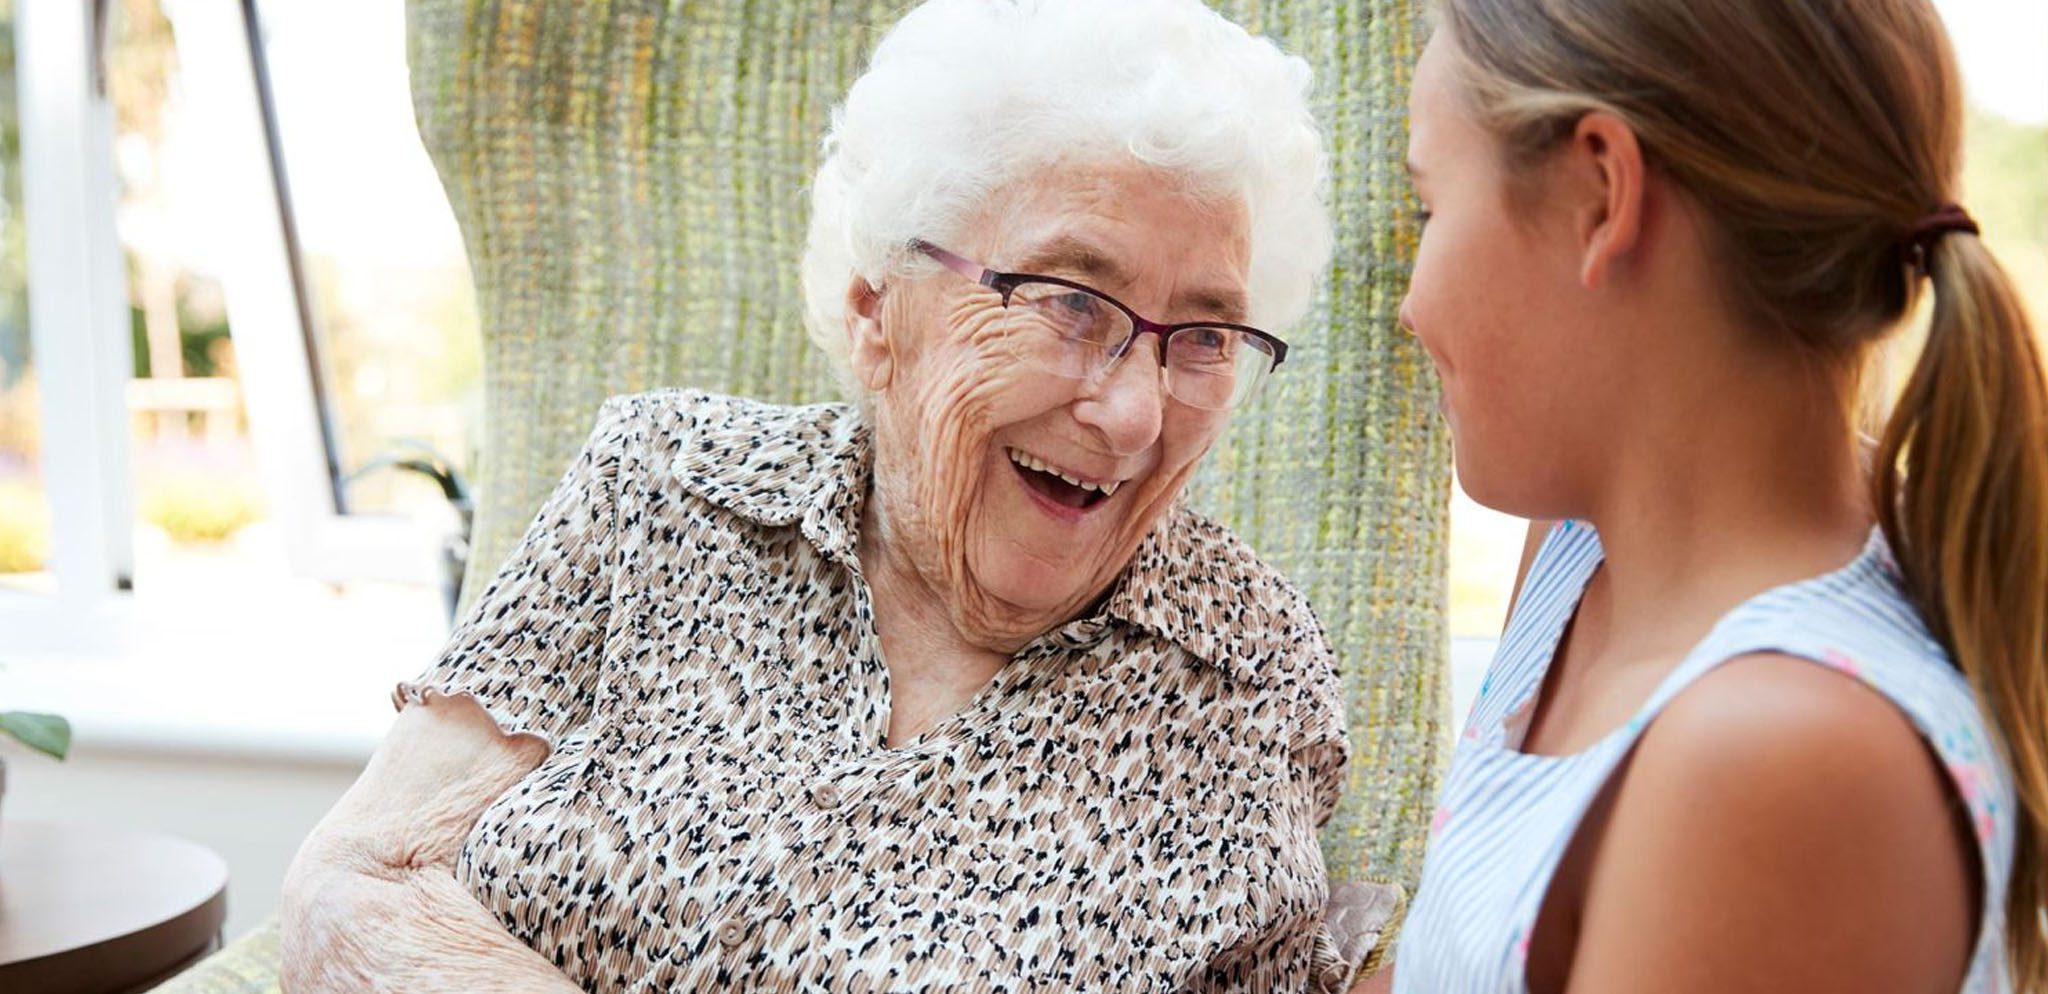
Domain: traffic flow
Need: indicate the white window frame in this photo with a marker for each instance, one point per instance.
(79, 337)
(78, 324)
(270, 315)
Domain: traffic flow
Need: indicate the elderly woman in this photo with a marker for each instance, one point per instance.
(943, 689)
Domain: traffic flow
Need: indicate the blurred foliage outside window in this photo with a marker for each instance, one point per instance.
(389, 279)
(385, 268)
(24, 509)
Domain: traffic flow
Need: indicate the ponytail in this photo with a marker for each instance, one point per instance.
(1962, 496)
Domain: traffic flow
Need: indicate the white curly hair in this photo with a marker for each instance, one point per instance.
(964, 97)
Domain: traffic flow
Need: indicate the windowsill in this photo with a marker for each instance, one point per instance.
(306, 689)
(212, 657)
(130, 707)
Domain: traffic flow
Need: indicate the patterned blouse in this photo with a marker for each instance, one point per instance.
(1130, 804)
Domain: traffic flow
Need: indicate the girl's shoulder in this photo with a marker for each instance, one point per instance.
(1774, 786)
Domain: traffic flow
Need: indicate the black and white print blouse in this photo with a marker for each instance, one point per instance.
(1130, 804)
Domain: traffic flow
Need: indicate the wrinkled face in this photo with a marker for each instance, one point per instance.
(978, 455)
(1497, 302)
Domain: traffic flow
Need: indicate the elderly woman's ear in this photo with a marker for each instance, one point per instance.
(869, 351)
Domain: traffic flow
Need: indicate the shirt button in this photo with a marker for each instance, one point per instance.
(1082, 634)
(825, 795)
(732, 933)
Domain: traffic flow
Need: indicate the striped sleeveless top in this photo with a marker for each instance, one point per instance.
(1506, 816)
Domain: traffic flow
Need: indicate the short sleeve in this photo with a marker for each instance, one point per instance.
(529, 649)
(1333, 950)
(1359, 913)
(1322, 746)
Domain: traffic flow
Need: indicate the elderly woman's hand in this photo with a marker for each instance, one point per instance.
(370, 903)
(1379, 983)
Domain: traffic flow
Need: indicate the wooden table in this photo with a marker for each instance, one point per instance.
(91, 910)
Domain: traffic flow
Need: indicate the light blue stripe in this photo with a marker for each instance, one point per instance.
(1508, 817)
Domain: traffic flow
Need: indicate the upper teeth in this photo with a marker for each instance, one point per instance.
(1029, 461)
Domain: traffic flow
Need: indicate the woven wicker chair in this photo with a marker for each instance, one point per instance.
(630, 178)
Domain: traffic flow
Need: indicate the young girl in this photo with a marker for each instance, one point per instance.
(1771, 711)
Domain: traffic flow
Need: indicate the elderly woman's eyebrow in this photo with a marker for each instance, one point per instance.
(1069, 254)
(1073, 255)
(1227, 306)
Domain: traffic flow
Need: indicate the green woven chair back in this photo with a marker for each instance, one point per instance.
(631, 180)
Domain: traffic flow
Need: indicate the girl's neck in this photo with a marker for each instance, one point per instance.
(1741, 483)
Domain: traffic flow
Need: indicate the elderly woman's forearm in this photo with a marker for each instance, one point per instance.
(399, 930)
(371, 902)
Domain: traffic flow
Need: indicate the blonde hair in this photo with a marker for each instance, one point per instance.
(1817, 136)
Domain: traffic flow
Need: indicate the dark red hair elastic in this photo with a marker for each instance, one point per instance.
(1922, 239)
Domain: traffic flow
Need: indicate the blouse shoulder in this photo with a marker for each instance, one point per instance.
(1201, 586)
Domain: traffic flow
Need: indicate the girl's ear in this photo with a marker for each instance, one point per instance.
(1605, 168)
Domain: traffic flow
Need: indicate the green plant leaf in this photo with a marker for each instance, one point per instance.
(45, 733)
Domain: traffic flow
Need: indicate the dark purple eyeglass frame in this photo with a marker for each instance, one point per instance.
(1007, 283)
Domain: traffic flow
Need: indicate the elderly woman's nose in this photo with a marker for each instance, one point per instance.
(1123, 405)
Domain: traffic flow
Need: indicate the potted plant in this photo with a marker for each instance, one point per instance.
(45, 733)
(414, 456)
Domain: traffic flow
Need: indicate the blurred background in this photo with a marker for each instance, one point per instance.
(259, 546)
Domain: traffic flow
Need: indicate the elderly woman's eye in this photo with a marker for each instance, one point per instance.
(1202, 346)
(1073, 314)
(1077, 303)
(1051, 301)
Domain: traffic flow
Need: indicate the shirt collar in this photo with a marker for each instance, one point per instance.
(777, 465)
(1191, 582)
(1201, 587)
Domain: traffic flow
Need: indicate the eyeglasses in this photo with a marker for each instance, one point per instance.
(1078, 332)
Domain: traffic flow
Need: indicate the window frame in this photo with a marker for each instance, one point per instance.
(79, 334)
(271, 314)
(78, 322)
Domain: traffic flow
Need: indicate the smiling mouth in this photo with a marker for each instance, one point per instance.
(1059, 486)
